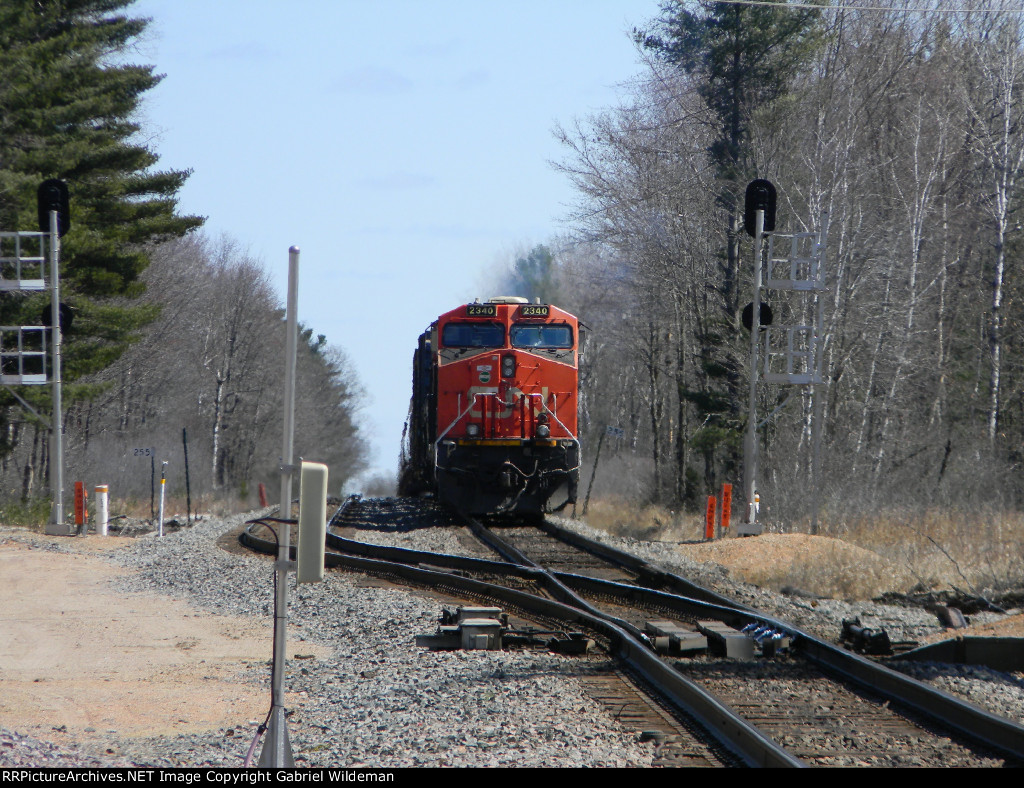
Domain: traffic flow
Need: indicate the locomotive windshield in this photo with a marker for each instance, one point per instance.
(534, 335)
(473, 335)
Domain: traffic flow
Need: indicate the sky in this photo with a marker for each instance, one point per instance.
(405, 147)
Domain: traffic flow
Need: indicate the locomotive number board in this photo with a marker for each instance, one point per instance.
(533, 310)
(481, 310)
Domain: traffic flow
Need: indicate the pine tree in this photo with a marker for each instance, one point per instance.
(741, 58)
(68, 105)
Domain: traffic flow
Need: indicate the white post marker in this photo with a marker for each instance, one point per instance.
(163, 485)
(102, 510)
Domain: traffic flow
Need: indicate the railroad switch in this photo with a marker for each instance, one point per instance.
(769, 640)
(723, 639)
(572, 644)
(468, 628)
(746, 643)
(486, 628)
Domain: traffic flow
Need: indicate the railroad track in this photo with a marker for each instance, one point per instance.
(810, 704)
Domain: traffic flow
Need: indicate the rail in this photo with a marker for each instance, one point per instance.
(741, 738)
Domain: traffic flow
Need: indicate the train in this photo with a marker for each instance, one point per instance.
(493, 418)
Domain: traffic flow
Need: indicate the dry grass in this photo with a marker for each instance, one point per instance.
(859, 557)
(620, 517)
(34, 515)
(176, 506)
(819, 565)
(975, 552)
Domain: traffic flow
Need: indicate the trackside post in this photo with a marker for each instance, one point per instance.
(56, 524)
(81, 523)
(163, 487)
(102, 509)
(277, 749)
(726, 506)
(750, 526)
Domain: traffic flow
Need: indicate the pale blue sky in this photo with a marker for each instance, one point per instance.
(405, 147)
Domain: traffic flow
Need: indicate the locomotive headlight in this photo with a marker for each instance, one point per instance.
(508, 366)
(473, 430)
(543, 431)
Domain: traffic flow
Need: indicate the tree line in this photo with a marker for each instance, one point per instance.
(171, 331)
(907, 129)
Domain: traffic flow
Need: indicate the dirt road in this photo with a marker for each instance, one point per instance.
(78, 660)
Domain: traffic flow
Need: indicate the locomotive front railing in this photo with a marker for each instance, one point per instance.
(508, 405)
(461, 416)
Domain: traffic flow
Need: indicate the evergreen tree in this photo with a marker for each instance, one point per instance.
(68, 109)
(741, 58)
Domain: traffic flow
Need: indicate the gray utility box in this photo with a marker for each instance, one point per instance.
(722, 637)
(672, 637)
(481, 634)
(471, 628)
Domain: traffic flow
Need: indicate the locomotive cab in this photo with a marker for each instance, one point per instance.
(497, 429)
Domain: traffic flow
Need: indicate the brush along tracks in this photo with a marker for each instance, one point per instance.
(804, 702)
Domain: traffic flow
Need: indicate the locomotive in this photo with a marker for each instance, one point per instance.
(493, 419)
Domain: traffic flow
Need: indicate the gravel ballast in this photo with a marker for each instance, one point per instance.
(999, 692)
(380, 701)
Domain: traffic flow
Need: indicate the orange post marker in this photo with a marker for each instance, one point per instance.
(726, 505)
(263, 495)
(79, 503)
(709, 522)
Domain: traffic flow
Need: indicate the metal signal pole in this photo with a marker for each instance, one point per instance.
(58, 421)
(820, 388)
(750, 526)
(277, 749)
(54, 217)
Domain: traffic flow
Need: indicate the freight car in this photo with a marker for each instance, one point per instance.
(493, 419)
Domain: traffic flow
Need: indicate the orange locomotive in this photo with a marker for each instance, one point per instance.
(492, 425)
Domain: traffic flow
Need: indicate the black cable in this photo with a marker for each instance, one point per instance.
(262, 728)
